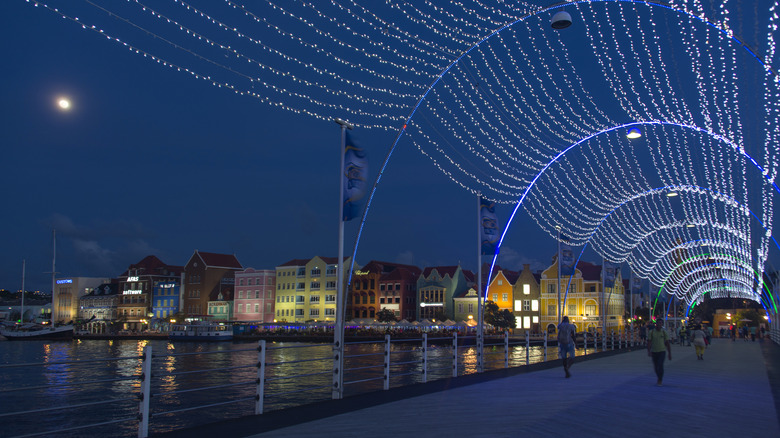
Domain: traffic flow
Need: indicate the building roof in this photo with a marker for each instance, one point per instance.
(215, 260)
(442, 270)
(589, 271)
(151, 265)
(388, 268)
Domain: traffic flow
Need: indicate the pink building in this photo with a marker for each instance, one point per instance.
(255, 292)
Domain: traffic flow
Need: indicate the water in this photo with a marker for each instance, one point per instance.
(109, 389)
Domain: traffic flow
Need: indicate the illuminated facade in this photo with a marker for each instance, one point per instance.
(206, 275)
(254, 296)
(383, 285)
(527, 297)
(136, 290)
(67, 292)
(306, 289)
(98, 308)
(166, 297)
(584, 300)
(436, 288)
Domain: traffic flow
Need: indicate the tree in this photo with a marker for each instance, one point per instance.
(742, 315)
(498, 318)
(386, 315)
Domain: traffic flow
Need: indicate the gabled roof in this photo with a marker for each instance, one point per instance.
(387, 268)
(151, 265)
(214, 260)
(589, 271)
(401, 273)
(442, 270)
(294, 262)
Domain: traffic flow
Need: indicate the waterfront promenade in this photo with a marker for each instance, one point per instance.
(733, 392)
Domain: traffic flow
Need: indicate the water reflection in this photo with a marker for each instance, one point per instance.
(186, 376)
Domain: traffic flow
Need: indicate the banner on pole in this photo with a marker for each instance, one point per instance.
(488, 226)
(610, 273)
(567, 258)
(355, 178)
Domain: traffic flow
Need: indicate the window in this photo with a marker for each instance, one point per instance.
(301, 272)
(398, 300)
(298, 312)
(371, 283)
(301, 285)
(241, 282)
(315, 272)
(518, 305)
(398, 286)
(381, 300)
(572, 309)
(500, 282)
(314, 312)
(460, 307)
(550, 288)
(314, 299)
(526, 305)
(495, 297)
(315, 285)
(240, 294)
(534, 305)
(505, 297)
(330, 298)
(526, 289)
(590, 309)
(299, 299)
(330, 312)
(552, 309)
(372, 299)
(257, 308)
(535, 319)
(527, 321)
(330, 284)
(381, 287)
(471, 308)
(330, 271)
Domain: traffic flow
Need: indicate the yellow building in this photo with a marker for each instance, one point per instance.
(306, 290)
(583, 302)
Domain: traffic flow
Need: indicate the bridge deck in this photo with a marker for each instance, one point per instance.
(729, 393)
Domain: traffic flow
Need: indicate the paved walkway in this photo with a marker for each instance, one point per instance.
(729, 393)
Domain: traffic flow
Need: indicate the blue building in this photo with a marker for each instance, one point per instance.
(165, 299)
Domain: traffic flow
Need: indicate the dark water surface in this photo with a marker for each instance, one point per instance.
(296, 373)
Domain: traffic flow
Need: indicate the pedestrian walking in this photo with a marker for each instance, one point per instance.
(658, 344)
(699, 341)
(566, 334)
(753, 333)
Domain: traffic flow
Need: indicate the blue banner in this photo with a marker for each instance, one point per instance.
(636, 285)
(355, 178)
(567, 259)
(610, 272)
(488, 226)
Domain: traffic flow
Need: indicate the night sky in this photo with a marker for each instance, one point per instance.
(151, 161)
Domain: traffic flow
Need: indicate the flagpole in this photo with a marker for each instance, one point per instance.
(338, 330)
(603, 290)
(558, 227)
(480, 312)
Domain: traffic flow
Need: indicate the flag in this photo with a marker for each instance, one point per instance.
(355, 178)
(488, 226)
(610, 272)
(567, 258)
(636, 285)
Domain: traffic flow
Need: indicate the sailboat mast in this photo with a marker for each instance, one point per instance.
(21, 315)
(53, 271)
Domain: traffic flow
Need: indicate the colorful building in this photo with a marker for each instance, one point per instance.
(436, 288)
(136, 290)
(527, 297)
(583, 303)
(383, 285)
(166, 298)
(67, 292)
(306, 289)
(254, 297)
(206, 275)
(98, 308)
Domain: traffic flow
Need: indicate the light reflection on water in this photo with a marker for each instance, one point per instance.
(178, 380)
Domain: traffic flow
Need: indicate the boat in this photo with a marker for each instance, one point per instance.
(31, 331)
(23, 331)
(201, 331)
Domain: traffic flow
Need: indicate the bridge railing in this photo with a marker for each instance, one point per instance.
(249, 380)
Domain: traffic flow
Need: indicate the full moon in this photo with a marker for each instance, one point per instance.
(63, 103)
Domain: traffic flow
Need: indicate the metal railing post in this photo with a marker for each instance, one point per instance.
(506, 348)
(585, 342)
(260, 391)
(527, 348)
(387, 362)
(146, 393)
(612, 340)
(425, 357)
(545, 345)
(455, 355)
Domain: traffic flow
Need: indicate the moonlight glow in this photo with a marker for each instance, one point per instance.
(63, 103)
